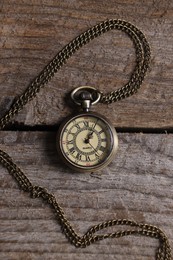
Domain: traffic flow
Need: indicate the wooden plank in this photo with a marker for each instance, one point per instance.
(137, 185)
(32, 32)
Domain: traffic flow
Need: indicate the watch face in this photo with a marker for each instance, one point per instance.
(87, 142)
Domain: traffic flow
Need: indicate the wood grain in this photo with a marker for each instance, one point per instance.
(138, 184)
(141, 191)
(32, 32)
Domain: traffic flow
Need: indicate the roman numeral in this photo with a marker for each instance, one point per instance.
(93, 126)
(70, 142)
(98, 157)
(102, 148)
(101, 131)
(78, 156)
(77, 126)
(72, 150)
(87, 158)
(103, 139)
(86, 123)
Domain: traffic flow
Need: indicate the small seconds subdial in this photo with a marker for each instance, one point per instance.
(87, 142)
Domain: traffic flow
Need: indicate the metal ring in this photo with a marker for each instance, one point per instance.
(90, 89)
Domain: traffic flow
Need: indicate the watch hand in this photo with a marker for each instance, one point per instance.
(90, 135)
(93, 148)
(86, 140)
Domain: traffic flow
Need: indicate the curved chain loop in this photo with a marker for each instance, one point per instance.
(163, 253)
(142, 63)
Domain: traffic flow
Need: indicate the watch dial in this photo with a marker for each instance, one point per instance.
(87, 141)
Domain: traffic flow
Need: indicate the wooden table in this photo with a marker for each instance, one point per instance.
(138, 184)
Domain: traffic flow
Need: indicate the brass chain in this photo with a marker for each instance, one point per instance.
(142, 63)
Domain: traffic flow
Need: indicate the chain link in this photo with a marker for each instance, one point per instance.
(142, 63)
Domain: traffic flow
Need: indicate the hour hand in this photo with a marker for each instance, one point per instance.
(90, 136)
(86, 140)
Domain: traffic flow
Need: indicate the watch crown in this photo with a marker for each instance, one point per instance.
(86, 98)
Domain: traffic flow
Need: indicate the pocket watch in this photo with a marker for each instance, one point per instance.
(86, 141)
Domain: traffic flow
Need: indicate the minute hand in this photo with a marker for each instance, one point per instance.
(94, 148)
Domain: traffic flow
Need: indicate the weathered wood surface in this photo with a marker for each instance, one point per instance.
(141, 191)
(138, 185)
(32, 32)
